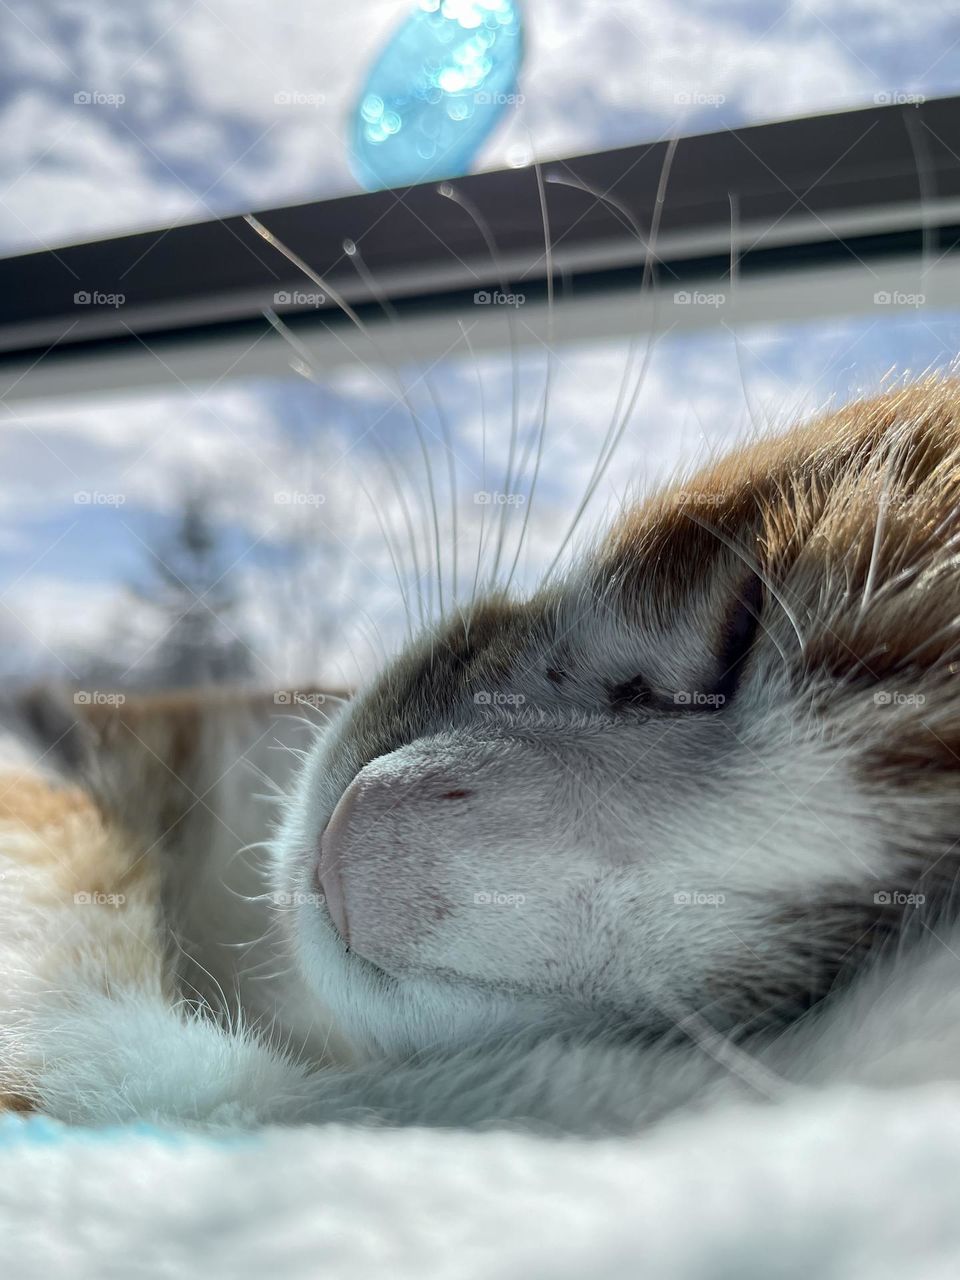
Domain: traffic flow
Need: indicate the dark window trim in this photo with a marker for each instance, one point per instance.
(828, 189)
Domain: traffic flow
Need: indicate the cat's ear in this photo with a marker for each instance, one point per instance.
(738, 632)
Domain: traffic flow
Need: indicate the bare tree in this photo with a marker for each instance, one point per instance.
(191, 596)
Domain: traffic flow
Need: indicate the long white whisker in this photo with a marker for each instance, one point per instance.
(875, 549)
(352, 251)
(450, 193)
(325, 286)
(304, 366)
(548, 377)
(389, 543)
(734, 274)
(483, 464)
(614, 439)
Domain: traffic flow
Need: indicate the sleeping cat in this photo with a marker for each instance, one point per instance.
(683, 825)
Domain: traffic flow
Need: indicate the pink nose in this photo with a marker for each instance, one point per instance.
(379, 852)
(421, 837)
(389, 853)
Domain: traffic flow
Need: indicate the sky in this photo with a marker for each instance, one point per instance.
(200, 130)
(307, 481)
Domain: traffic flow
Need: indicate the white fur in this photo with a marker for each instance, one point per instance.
(850, 1185)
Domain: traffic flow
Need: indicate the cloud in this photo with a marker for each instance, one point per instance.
(610, 75)
(207, 126)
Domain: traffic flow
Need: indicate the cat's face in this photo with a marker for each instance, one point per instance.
(700, 773)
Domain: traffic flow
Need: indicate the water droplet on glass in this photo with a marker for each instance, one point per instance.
(519, 155)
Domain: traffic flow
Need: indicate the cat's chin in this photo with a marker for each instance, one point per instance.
(378, 1013)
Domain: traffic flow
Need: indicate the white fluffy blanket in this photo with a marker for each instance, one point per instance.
(843, 1184)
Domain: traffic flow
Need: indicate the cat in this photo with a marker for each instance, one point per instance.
(683, 825)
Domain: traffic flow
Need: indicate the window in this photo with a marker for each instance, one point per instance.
(194, 369)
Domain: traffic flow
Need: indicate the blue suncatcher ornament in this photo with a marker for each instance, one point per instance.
(436, 92)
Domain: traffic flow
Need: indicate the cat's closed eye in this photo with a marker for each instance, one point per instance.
(735, 640)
